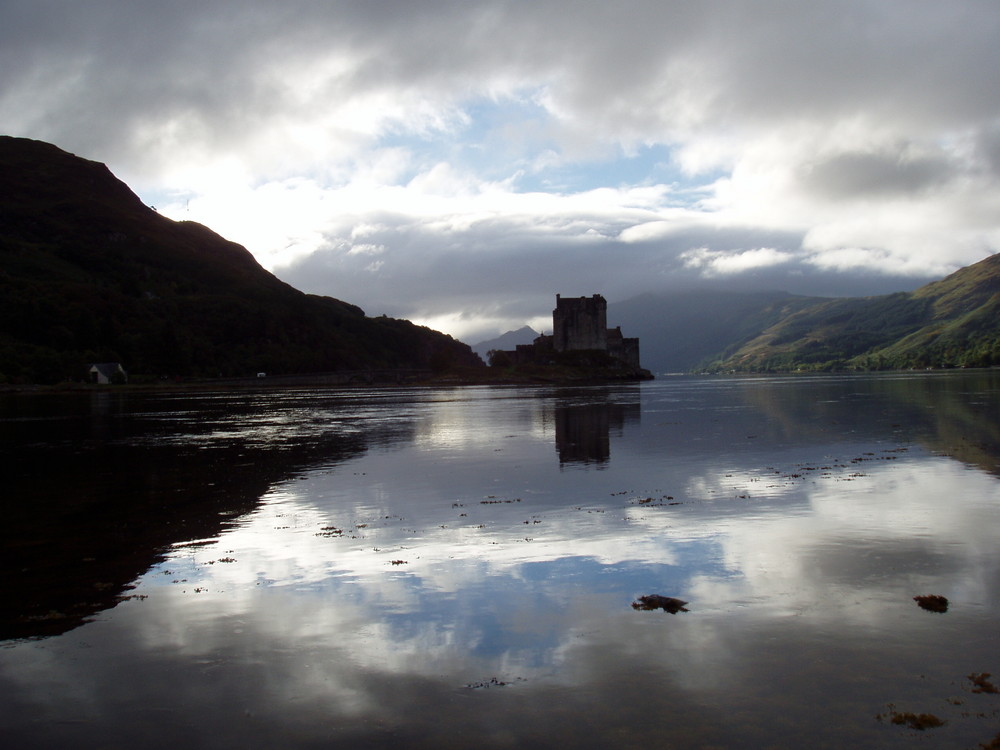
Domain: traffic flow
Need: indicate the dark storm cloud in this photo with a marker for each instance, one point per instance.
(636, 69)
(869, 174)
(493, 272)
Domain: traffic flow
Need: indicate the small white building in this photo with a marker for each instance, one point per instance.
(104, 373)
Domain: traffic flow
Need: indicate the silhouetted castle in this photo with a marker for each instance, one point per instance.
(582, 323)
(579, 324)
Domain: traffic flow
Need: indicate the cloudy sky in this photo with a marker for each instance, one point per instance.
(458, 162)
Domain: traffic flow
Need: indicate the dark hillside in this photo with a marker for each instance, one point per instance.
(88, 273)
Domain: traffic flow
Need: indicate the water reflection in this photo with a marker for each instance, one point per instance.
(98, 487)
(448, 568)
(584, 425)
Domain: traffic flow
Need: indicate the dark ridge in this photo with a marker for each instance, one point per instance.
(88, 273)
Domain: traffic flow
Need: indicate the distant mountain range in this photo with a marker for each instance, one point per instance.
(954, 322)
(507, 341)
(90, 274)
(679, 331)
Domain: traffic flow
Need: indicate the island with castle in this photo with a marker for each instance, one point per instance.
(580, 347)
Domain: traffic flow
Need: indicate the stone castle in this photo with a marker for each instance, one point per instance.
(579, 324)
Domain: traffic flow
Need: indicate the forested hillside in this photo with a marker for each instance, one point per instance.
(681, 331)
(954, 322)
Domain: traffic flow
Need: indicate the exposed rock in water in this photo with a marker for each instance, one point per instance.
(932, 603)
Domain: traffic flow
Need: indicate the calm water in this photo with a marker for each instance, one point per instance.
(455, 567)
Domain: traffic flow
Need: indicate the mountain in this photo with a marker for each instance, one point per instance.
(90, 274)
(679, 331)
(954, 322)
(509, 340)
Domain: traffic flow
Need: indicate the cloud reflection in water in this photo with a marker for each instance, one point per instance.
(383, 600)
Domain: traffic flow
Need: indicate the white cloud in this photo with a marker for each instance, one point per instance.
(718, 262)
(366, 248)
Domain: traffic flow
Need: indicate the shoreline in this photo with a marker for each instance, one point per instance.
(332, 380)
(450, 379)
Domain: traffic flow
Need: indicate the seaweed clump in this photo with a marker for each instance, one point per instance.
(993, 744)
(932, 603)
(655, 601)
(920, 722)
(981, 681)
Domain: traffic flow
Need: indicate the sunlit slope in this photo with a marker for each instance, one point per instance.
(954, 322)
(682, 330)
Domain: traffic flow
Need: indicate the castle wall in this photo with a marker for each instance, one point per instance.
(615, 342)
(580, 323)
(630, 352)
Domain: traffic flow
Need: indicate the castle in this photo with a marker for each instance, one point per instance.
(579, 324)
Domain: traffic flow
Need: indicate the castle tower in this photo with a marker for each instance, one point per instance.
(580, 323)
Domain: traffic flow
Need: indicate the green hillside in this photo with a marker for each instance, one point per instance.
(954, 322)
(682, 330)
(90, 274)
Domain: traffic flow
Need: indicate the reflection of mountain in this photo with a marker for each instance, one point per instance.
(507, 620)
(583, 431)
(99, 489)
(948, 412)
(960, 421)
